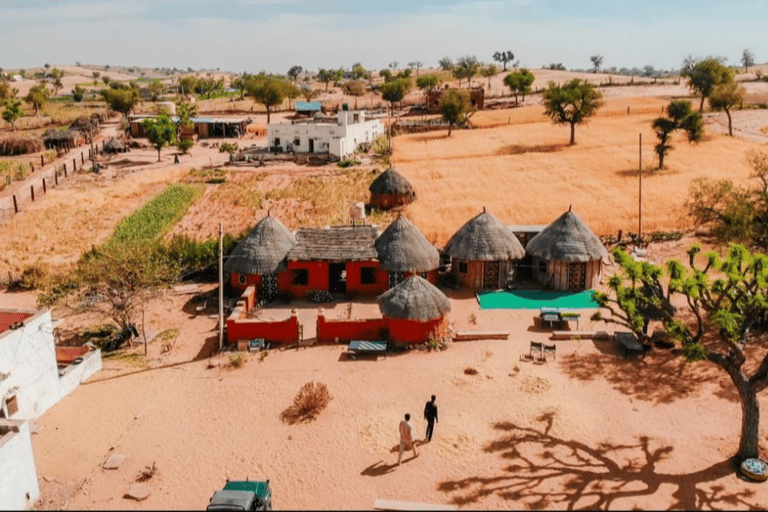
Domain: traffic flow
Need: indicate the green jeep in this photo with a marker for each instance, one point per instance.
(242, 495)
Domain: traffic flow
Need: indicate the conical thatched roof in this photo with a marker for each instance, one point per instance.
(403, 248)
(414, 299)
(263, 251)
(60, 135)
(484, 238)
(391, 182)
(567, 239)
(114, 146)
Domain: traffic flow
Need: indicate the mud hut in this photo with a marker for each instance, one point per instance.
(114, 146)
(404, 251)
(61, 140)
(260, 259)
(391, 189)
(88, 126)
(567, 255)
(415, 310)
(483, 253)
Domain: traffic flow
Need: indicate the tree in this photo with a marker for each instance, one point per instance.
(747, 58)
(387, 75)
(155, 89)
(355, 88)
(37, 97)
(294, 72)
(56, 76)
(395, 91)
(122, 99)
(393, 65)
(446, 64)
(359, 71)
(187, 84)
(417, 65)
(454, 107)
(12, 113)
(307, 90)
(78, 93)
(239, 83)
(519, 82)
(160, 131)
(504, 57)
(489, 72)
(705, 75)
(572, 104)
(726, 96)
(270, 91)
(597, 61)
(726, 302)
(427, 83)
(106, 79)
(681, 117)
(208, 85)
(96, 75)
(326, 76)
(185, 112)
(47, 67)
(466, 67)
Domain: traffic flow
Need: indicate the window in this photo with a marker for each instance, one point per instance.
(463, 267)
(241, 279)
(277, 141)
(424, 275)
(301, 276)
(368, 275)
(542, 266)
(297, 142)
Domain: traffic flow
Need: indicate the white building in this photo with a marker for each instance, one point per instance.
(18, 474)
(337, 136)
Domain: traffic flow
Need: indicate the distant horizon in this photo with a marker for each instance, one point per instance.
(273, 35)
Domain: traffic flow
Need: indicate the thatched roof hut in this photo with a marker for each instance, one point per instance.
(88, 126)
(114, 146)
(414, 299)
(263, 251)
(391, 189)
(61, 139)
(403, 248)
(567, 254)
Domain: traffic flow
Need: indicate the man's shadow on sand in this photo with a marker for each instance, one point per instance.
(378, 468)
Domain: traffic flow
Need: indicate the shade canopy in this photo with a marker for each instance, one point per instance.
(391, 182)
(484, 238)
(414, 299)
(263, 251)
(403, 248)
(567, 239)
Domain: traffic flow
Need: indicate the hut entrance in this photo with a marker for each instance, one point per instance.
(268, 286)
(337, 278)
(577, 273)
(491, 275)
(395, 278)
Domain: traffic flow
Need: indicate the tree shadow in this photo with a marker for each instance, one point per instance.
(549, 472)
(518, 149)
(430, 136)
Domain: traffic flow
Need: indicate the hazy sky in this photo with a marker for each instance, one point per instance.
(273, 35)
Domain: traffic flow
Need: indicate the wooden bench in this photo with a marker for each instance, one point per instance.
(356, 348)
(630, 343)
(566, 335)
(480, 335)
(381, 504)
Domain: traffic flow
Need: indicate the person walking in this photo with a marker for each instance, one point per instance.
(430, 414)
(406, 438)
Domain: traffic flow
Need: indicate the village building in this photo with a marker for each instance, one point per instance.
(307, 108)
(62, 140)
(391, 189)
(415, 310)
(483, 253)
(404, 251)
(203, 127)
(476, 98)
(567, 255)
(19, 489)
(338, 136)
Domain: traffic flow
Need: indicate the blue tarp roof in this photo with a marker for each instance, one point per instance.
(309, 105)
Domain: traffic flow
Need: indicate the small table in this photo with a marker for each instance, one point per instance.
(570, 316)
(366, 347)
(550, 315)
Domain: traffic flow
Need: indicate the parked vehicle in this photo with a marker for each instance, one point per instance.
(242, 495)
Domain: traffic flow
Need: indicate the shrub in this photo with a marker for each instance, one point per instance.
(185, 145)
(237, 360)
(470, 371)
(311, 399)
(347, 162)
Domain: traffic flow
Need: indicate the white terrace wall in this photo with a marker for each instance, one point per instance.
(19, 489)
(28, 354)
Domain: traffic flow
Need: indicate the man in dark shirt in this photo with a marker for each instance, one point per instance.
(430, 414)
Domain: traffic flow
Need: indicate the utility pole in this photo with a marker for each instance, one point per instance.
(640, 191)
(221, 286)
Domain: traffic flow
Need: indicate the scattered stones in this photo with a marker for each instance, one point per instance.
(114, 461)
(138, 492)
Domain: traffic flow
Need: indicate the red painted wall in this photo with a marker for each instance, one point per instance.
(65, 355)
(250, 279)
(318, 277)
(353, 278)
(8, 317)
(411, 331)
(371, 329)
(286, 331)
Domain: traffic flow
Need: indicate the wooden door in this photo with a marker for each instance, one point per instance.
(577, 273)
(490, 275)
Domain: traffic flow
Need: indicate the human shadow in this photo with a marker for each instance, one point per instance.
(546, 471)
(378, 468)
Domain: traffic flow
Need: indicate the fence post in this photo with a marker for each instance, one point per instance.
(82, 158)
(42, 160)
(65, 171)
(15, 205)
(44, 189)
(90, 154)
(74, 165)
(56, 177)
(65, 167)
(31, 167)
(32, 191)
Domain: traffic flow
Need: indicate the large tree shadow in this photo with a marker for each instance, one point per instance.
(549, 472)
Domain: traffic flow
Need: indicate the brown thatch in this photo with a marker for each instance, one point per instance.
(88, 126)
(114, 146)
(484, 238)
(403, 248)
(414, 299)
(12, 146)
(263, 251)
(61, 136)
(335, 244)
(567, 239)
(391, 182)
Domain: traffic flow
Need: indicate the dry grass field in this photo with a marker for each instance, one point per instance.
(523, 171)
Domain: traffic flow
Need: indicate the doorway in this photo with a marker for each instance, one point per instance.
(311, 145)
(490, 275)
(337, 278)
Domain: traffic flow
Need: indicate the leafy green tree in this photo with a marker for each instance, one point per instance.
(725, 97)
(504, 57)
(489, 72)
(681, 117)
(393, 65)
(597, 61)
(121, 100)
(229, 147)
(5, 90)
(572, 103)
(155, 88)
(705, 76)
(724, 304)
(78, 93)
(360, 72)
(427, 83)
(747, 59)
(446, 64)
(466, 67)
(187, 84)
(185, 112)
(395, 91)
(106, 79)
(294, 72)
(355, 88)
(417, 65)
(239, 83)
(387, 75)
(160, 131)
(270, 91)
(56, 76)
(454, 107)
(208, 85)
(520, 82)
(12, 113)
(326, 76)
(37, 97)
(96, 75)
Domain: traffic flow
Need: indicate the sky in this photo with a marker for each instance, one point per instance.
(273, 35)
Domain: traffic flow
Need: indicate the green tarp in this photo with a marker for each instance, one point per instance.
(533, 299)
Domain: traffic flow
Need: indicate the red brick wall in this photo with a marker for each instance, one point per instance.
(371, 329)
(353, 278)
(286, 331)
(9, 317)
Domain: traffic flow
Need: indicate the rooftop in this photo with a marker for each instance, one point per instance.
(335, 244)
